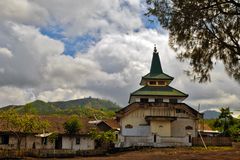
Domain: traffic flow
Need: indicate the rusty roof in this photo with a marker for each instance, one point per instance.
(56, 124)
(113, 123)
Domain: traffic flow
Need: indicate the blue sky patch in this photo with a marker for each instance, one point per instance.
(72, 45)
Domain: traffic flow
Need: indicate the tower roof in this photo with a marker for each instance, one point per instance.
(156, 72)
(158, 91)
(156, 67)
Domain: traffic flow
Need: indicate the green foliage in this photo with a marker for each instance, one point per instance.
(18, 124)
(224, 121)
(29, 108)
(72, 125)
(23, 123)
(202, 32)
(227, 124)
(210, 123)
(106, 137)
(234, 131)
(88, 102)
(52, 138)
(87, 107)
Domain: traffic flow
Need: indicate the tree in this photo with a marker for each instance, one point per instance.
(106, 138)
(72, 127)
(224, 121)
(22, 124)
(202, 32)
(234, 131)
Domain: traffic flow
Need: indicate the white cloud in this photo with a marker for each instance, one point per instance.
(32, 66)
(23, 11)
(13, 95)
(2, 70)
(94, 17)
(5, 52)
(30, 50)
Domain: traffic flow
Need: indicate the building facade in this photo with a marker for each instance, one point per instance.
(156, 115)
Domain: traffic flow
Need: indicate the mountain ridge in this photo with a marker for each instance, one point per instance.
(211, 114)
(85, 107)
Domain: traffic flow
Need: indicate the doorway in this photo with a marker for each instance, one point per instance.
(155, 138)
(58, 142)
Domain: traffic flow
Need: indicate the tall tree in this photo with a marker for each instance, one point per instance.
(224, 121)
(21, 124)
(202, 31)
(72, 127)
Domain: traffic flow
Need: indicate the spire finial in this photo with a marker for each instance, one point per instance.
(155, 48)
(156, 67)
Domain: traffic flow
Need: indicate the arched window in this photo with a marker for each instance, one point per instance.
(128, 126)
(189, 128)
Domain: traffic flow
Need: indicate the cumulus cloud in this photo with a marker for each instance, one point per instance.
(29, 52)
(94, 17)
(23, 11)
(5, 52)
(13, 95)
(33, 66)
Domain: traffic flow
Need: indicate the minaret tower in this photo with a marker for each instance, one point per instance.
(156, 86)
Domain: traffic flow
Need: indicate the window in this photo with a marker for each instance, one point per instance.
(44, 140)
(173, 100)
(161, 83)
(128, 126)
(144, 100)
(4, 139)
(158, 100)
(180, 111)
(77, 140)
(189, 128)
(152, 82)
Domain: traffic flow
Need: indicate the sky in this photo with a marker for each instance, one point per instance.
(62, 50)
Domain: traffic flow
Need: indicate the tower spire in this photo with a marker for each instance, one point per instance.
(155, 49)
(156, 67)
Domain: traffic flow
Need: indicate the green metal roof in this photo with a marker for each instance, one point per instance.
(156, 67)
(158, 91)
(161, 76)
(156, 71)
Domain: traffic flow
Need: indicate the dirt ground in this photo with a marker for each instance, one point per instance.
(191, 153)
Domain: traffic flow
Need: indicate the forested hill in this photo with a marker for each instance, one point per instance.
(211, 114)
(86, 107)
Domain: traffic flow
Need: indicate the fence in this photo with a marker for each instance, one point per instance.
(212, 141)
(47, 153)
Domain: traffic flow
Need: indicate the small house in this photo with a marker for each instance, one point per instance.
(42, 140)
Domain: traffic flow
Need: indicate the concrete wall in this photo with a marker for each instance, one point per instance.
(136, 131)
(178, 127)
(11, 145)
(138, 116)
(161, 128)
(128, 141)
(27, 143)
(86, 143)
